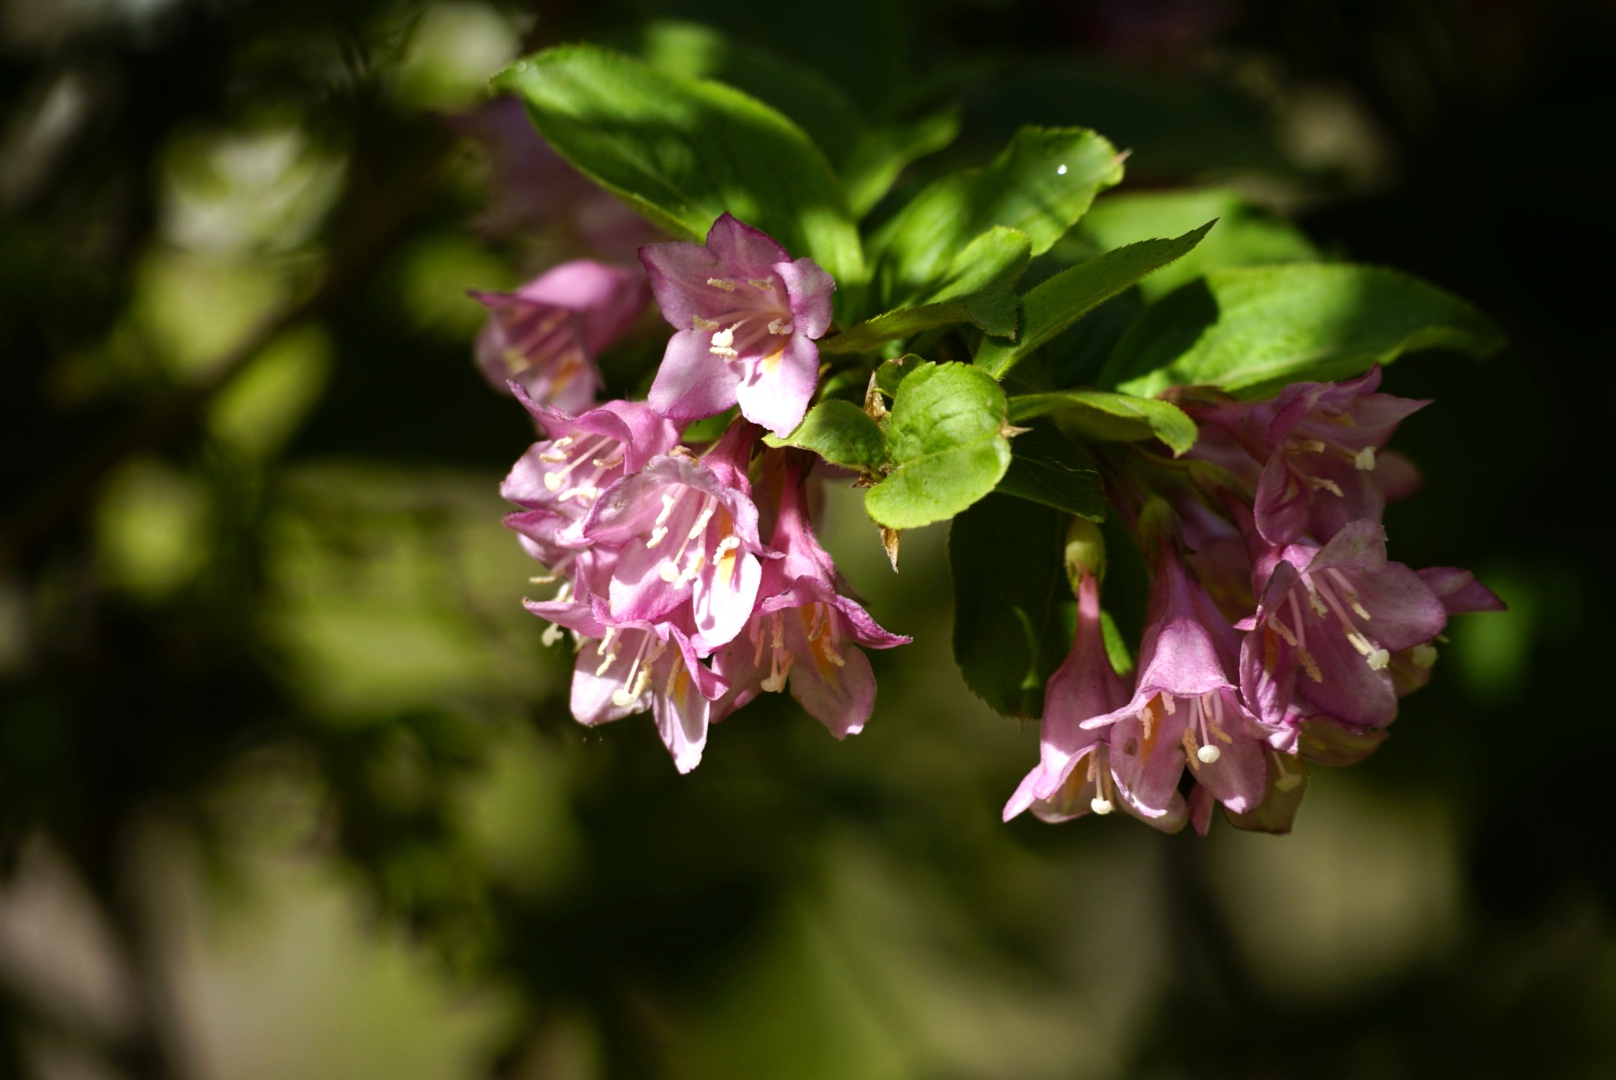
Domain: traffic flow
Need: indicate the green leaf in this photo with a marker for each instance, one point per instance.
(946, 446)
(841, 433)
(1009, 593)
(1071, 294)
(1110, 417)
(823, 110)
(682, 151)
(890, 375)
(979, 289)
(1250, 330)
(1243, 235)
(870, 170)
(1049, 468)
(1040, 184)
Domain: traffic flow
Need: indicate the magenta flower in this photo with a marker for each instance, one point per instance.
(1319, 445)
(747, 315)
(1075, 775)
(1185, 708)
(1329, 621)
(802, 633)
(685, 531)
(632, 668)
(547, 333)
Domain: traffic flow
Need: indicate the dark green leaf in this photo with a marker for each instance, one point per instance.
(682, 151)
(979, 288)
(1041, 184)
(841, 433)
(1009, 592)
(1049, 468)
(1243, 235)
(946, 446)
(874, 164)
(1110, 417)
(1250, 330)
(1071, 294)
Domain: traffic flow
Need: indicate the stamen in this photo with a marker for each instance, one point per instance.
(761, 284)
(1282, 630)
(657, 535)
(1365, 459)
(1309, 665)
(700, 323)
(1379, 659)
(545, 580)
(721, 283)
(783, 327)
(1319, 483)
(552, 634)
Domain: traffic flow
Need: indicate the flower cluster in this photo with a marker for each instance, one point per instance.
(1277, 630)
(677, 602)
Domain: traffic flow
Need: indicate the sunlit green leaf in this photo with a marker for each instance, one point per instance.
(1243, 235)
(1071, 294)
(1110, 417)
(1250, 330)
(978, 289)
(1041, 184)
(839, 432)
(682, 151)
(946, 446)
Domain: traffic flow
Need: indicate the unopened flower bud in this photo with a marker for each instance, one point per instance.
(1085, 553)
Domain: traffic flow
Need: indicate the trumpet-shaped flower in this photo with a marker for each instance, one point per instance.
(746, 316)
(804, 629)
(685, 530)
(632, 668)
(1185, 708)
(1329, 622)
(1318, 445)
(547, 333)
(1075, 775)
(584, 454)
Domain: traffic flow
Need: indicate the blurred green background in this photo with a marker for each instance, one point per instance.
(288, 787)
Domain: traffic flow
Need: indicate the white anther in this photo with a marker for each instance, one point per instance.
(554, 480)
(554, 457)
(1358, 609)
(1423, 656)
(707, 325)
(691, 570)
(1308, 446)
(1362, 644)
(721, 283)
(541, 580)
(725, 546)
(1309, 665)
(1365, 459)
(657, 535)
(1319, 483)
(583, 492)
(1097, 804)
(1208, 755)
(724, 338)
(761, 284)
(1169, 704)
(782, 327)
(551, 635)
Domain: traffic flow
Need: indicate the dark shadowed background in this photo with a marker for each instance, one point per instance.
(288, 786)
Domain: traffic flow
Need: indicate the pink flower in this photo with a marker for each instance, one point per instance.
(1318, 446)
(1074, 775)
(547, 333)
(1185, 708)
(802, 633)
(685, 531)
(632, 668)
(583, 455)
(747, 316)
(1328, 623)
